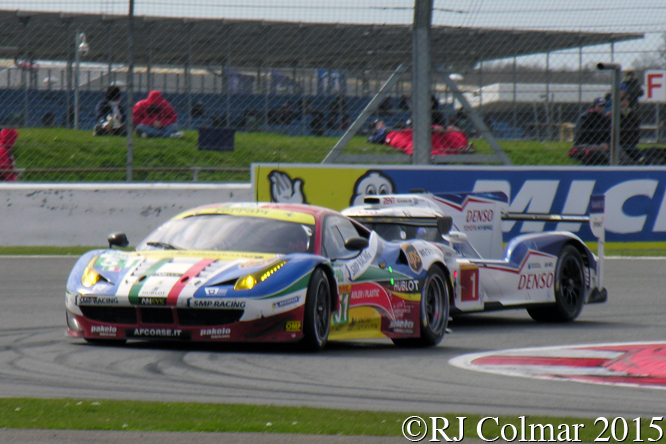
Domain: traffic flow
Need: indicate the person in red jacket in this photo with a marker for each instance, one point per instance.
(155, 117)
(7, 140)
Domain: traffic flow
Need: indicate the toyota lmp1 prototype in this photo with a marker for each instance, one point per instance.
(551, 274)
(266, 273)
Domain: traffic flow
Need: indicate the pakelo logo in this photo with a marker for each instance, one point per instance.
(293, 326)
(535, 281)
(103, 330)
(479, 216)
(413, 258)
(215, 333)
(406, 286)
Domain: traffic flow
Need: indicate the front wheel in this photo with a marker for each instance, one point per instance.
(434, 311)
(569, 289)
(317, 317)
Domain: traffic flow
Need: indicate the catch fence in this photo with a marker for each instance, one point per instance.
(306, 82)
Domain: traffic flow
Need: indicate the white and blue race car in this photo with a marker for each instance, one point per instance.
(551, 274)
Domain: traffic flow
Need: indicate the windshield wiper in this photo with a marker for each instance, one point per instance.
(164, 245)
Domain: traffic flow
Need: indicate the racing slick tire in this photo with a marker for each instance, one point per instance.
(317, 317)
(569, 289)
(434, 311)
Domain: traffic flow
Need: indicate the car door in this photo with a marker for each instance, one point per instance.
(361, 298)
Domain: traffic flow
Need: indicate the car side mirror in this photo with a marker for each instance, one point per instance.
(444, 224)
(456, 237)
(356, 243)
(118, 239)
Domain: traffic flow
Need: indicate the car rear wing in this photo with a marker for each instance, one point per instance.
(596, 219)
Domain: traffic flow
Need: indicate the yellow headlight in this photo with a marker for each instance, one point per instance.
(90, 277)
(249, 281)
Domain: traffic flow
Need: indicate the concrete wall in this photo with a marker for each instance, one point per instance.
(85, 214)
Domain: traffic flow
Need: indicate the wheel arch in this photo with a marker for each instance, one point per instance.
(584, 253)
(335, 300)
(449, 280)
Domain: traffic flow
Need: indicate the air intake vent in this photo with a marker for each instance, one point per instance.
(198, 317)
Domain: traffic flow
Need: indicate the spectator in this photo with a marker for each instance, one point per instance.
(110, 115)
(380, 132)
(7, 140)
(155, 117)
(593, 126)
(630, 126)
(437, 115)
(632, 87)
(198, 110)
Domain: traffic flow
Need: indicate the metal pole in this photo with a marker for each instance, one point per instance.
(615, 69)
(422, 113)
(130, 91)
(77, 65)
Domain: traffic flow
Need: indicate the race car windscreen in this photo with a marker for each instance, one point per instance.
(232, 233)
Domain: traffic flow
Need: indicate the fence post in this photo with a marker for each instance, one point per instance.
(422, 114)
(130, 92)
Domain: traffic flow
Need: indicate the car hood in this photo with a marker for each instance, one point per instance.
(167, 276)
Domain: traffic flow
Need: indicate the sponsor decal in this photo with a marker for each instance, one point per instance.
(286, 302)
(293, 326)
(357, 266)
(365, 293)
(97, 300)
(535, 266)
(215, 303)
(103, 330)
(364, 324)
(636, 364)
(167, 274)
(413, 258)
(152, 301)
(215, 291)
(479, 216)
(215, 333)
(535, 281)
(371, 294)
(156, 333)
(388, 200)
(408, 286)
(402, 326)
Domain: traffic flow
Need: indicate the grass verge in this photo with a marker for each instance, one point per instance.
(75, 414)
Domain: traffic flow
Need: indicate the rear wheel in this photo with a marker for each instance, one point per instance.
(317, 317)
(434, 311)
(569, 289)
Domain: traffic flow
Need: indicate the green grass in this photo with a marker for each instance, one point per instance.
(39, 148)
(26, 413)
(51, 148)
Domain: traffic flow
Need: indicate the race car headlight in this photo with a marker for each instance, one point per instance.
(249, 281)
(90, 276)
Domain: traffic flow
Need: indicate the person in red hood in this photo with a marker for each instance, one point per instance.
(7, 140)
(155, 117)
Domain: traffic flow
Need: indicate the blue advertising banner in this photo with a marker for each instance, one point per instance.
(635, 197)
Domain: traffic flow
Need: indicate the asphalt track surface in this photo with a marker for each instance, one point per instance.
(38, 360)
